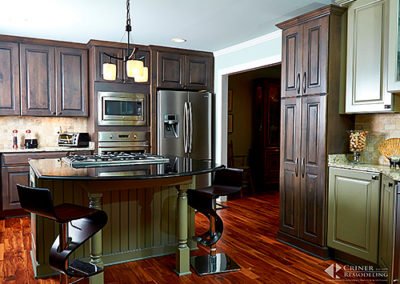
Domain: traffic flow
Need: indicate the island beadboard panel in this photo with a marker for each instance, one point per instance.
(141, 224)
(379, 127)
(43, 128)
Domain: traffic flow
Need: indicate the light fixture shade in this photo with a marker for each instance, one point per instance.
(134, 68)
(109, 71)
(143, 76)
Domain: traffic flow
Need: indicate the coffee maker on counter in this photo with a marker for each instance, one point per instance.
(29, 142)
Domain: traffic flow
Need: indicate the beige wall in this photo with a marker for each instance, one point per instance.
(380, 127)
(43, 128)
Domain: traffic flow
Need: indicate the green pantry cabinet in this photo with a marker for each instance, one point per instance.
(361, 216)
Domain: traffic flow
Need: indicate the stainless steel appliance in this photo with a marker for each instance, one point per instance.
(119, 108)
(114, 159)
(73, 139)
(123, 141)
(185, 125)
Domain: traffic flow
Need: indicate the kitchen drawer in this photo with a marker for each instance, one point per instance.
(23, 158)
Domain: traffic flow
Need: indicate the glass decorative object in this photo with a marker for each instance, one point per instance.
(358, 142)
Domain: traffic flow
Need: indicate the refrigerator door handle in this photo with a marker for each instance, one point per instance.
(185, 127)
(190, 127)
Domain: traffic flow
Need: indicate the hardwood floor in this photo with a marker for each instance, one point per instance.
(250, 227)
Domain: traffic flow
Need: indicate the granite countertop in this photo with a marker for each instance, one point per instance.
(48, 149)
(54, 169)
(341, 161)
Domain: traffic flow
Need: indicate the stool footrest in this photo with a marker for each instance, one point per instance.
(80, 268)
(213, 264)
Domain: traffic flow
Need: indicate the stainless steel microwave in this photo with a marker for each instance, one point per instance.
(118, 108)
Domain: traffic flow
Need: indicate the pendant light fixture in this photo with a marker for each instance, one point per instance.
(134, 66)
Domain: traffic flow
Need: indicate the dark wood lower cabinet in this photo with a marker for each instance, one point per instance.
(15, 170)
(302, 179)
(11, 176)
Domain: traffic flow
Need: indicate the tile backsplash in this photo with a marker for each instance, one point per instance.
(380, 127)
(45, 129)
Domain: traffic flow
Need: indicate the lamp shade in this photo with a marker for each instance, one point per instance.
(134, 68)
(143, 76)
(109, 71)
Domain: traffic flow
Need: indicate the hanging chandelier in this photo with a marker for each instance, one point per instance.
(134, 66)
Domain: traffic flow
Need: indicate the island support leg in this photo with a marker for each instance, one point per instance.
(183, 251)
(96, 242)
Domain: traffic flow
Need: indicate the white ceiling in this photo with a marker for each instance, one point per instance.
(206, 24)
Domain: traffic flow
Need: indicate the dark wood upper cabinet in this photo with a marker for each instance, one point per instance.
(305, 57)
(9, 79)
(291, 61)
(98, 49)
(198, 71)
(54, 81)
(192, 71)
(311, 126)
(71, 77)
(170, 70)
(101, 58)
(37, 80)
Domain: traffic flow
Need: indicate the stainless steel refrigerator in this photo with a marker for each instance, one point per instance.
(185, 125)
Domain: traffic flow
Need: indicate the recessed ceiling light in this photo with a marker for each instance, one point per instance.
(178, 39)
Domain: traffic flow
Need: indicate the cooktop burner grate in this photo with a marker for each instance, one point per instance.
(113, 159)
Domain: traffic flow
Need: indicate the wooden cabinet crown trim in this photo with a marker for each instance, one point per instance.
(180, 50)
(104, 43)
(39, 41)
(319, 13)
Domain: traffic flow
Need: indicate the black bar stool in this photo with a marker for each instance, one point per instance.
(77, 224)
(226, 181)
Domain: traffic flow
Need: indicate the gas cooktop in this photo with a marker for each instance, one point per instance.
(113, 159)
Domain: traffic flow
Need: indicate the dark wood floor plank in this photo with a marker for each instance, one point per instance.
(250, 228)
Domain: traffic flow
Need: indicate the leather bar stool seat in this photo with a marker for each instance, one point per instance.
(77, 224)
(226, 181)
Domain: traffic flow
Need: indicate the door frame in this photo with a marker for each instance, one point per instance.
(221, 102)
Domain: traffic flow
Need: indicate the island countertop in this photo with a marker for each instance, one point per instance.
(54, 169)
(146, 205)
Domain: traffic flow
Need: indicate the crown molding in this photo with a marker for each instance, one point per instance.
(249, 43)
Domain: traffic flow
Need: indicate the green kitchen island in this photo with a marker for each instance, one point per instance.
(146, 205)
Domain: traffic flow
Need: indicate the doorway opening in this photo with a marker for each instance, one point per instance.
(253, 128)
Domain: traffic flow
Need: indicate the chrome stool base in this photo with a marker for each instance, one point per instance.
(212, 264)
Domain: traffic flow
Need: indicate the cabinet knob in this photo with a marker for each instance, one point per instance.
(375, 177)
(53, 112)
(60, 113)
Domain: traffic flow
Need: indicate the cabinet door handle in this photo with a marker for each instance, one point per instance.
(390, 184)
(298, 83)
(303, 165)
(375, 177)
(304, 83)
(296, 169)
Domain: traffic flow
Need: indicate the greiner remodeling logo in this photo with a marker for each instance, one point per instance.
(332, 270)
(356, 273)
